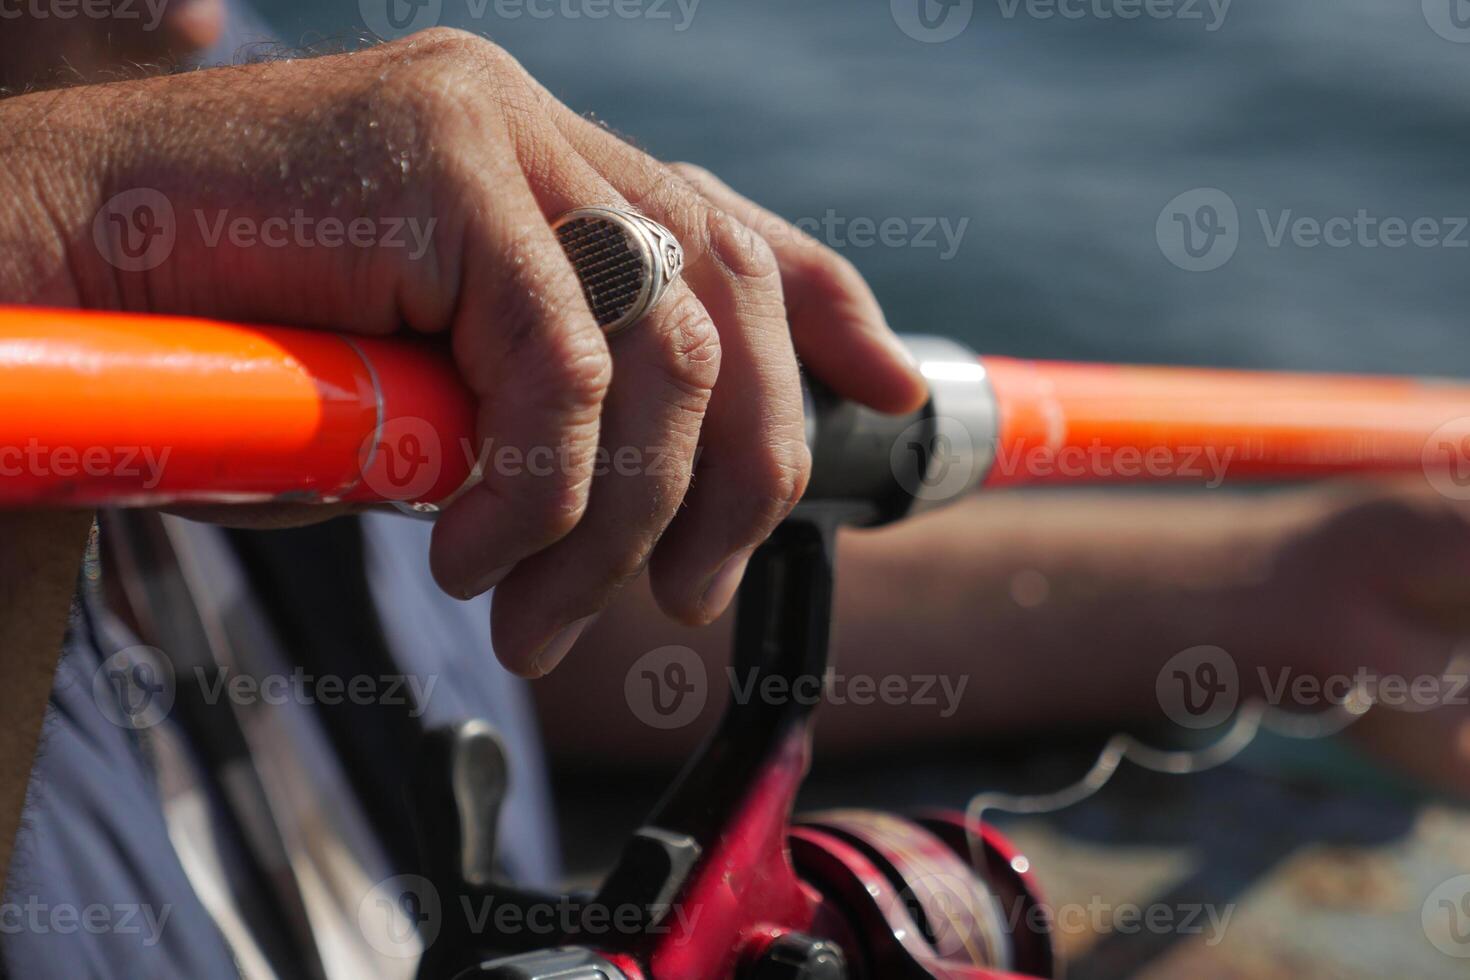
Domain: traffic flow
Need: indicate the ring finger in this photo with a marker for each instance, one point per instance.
(664, 370)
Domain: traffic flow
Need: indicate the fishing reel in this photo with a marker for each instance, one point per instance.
(719, 882)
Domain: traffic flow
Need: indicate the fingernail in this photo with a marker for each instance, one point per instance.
(722, 586)
(489, 580)
(559, 645)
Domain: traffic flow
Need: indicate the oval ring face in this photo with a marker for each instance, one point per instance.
(624, 261)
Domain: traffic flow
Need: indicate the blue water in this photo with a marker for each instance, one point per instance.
(1059, 142)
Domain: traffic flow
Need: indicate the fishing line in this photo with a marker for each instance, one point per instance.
(1255, 716)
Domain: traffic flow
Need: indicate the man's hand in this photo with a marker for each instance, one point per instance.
(448, 160)
(1376, 591)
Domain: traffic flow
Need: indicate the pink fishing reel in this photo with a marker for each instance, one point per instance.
(911, 903)
(718, 881)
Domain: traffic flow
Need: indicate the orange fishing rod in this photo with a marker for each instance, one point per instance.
(106, 408)
(121, 409)
(1064, 422)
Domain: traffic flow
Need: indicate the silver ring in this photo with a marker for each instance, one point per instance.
(626, 262)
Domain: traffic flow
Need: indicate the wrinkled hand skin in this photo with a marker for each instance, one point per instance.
(445, 133)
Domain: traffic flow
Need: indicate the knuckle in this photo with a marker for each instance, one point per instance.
(543, 332)
(537, 277)
(691, 346)
(455, 46)
(738, 248)
(775, 486)
(693, 173)
(450, 74)
(578, 364)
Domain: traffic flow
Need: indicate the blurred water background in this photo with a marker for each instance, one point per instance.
(1048, 147)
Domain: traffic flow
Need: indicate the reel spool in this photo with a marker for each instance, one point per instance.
(911, 905)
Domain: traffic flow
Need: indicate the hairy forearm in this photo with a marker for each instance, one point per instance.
(1055, 610)
(1010, 613)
